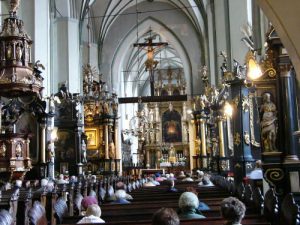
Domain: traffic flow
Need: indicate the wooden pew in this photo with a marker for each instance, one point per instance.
(250, 220)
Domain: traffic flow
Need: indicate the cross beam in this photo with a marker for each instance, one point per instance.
(150, 43)
(168, 98)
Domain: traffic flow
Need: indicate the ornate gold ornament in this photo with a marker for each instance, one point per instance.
(267, 64)
(228, 76)
(19, 75)
(236, 101)
(3, 150)
(245, 104)
(224, 165)
(273, 175)
(237, 139)
(253, 141)
(237, 165)
(247, 138)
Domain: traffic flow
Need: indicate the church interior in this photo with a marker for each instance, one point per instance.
(155, 98)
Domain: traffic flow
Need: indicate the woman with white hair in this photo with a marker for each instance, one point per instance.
(206, 182)
(150, 183)
(188, 178)
(188, 206)
(93, 214)
(120, 197)
(200, 175)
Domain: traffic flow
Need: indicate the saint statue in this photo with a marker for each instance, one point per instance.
(172, 154)
(111, 150)
(2, 150)
(83, 151)
(18, 150)
(268, 123)
(51, 153)
(51, 104)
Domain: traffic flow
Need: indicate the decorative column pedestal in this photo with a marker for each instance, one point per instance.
(242, 159)
(223, 161)
(202, 134)
(281, 167)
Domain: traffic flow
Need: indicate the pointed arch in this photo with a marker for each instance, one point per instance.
(130, 38)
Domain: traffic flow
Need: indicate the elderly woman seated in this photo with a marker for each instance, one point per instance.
(232, 210)
(120, 197)
(61, 179)
(188, 178)
(151, 182)
(202, 206)
(93, 214)
(121, 186)
(171, 186)
(205, 182)
(188, 206)
(199, 175)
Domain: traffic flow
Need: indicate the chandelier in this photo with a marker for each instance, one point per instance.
(140, 125)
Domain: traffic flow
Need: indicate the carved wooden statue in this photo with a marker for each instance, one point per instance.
(268, 124)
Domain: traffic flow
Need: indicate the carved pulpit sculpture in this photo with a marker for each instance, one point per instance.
(23, 110)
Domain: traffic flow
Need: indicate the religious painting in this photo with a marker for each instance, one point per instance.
(27, 124)
(65, 145)
(63, 167)
(171, 126)
(92, 138)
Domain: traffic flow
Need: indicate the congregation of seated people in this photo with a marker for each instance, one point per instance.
(162, 198)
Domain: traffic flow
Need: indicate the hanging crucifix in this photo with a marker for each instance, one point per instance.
(150, 63)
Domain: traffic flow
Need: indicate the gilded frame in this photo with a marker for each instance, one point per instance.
(92, 138)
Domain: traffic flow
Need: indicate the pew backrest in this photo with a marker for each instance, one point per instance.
(37, 214)
(61, 209)
(271, 207)
(289, 214)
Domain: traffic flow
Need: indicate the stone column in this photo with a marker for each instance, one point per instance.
(203, 137)
(158, 156)
(43, 142)
(157, 123)
(117, 146)
(66, 55)
(106, 141)
(116, 141)
(221, 137)
(147, 158)
(78, 144)
(289, 109)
